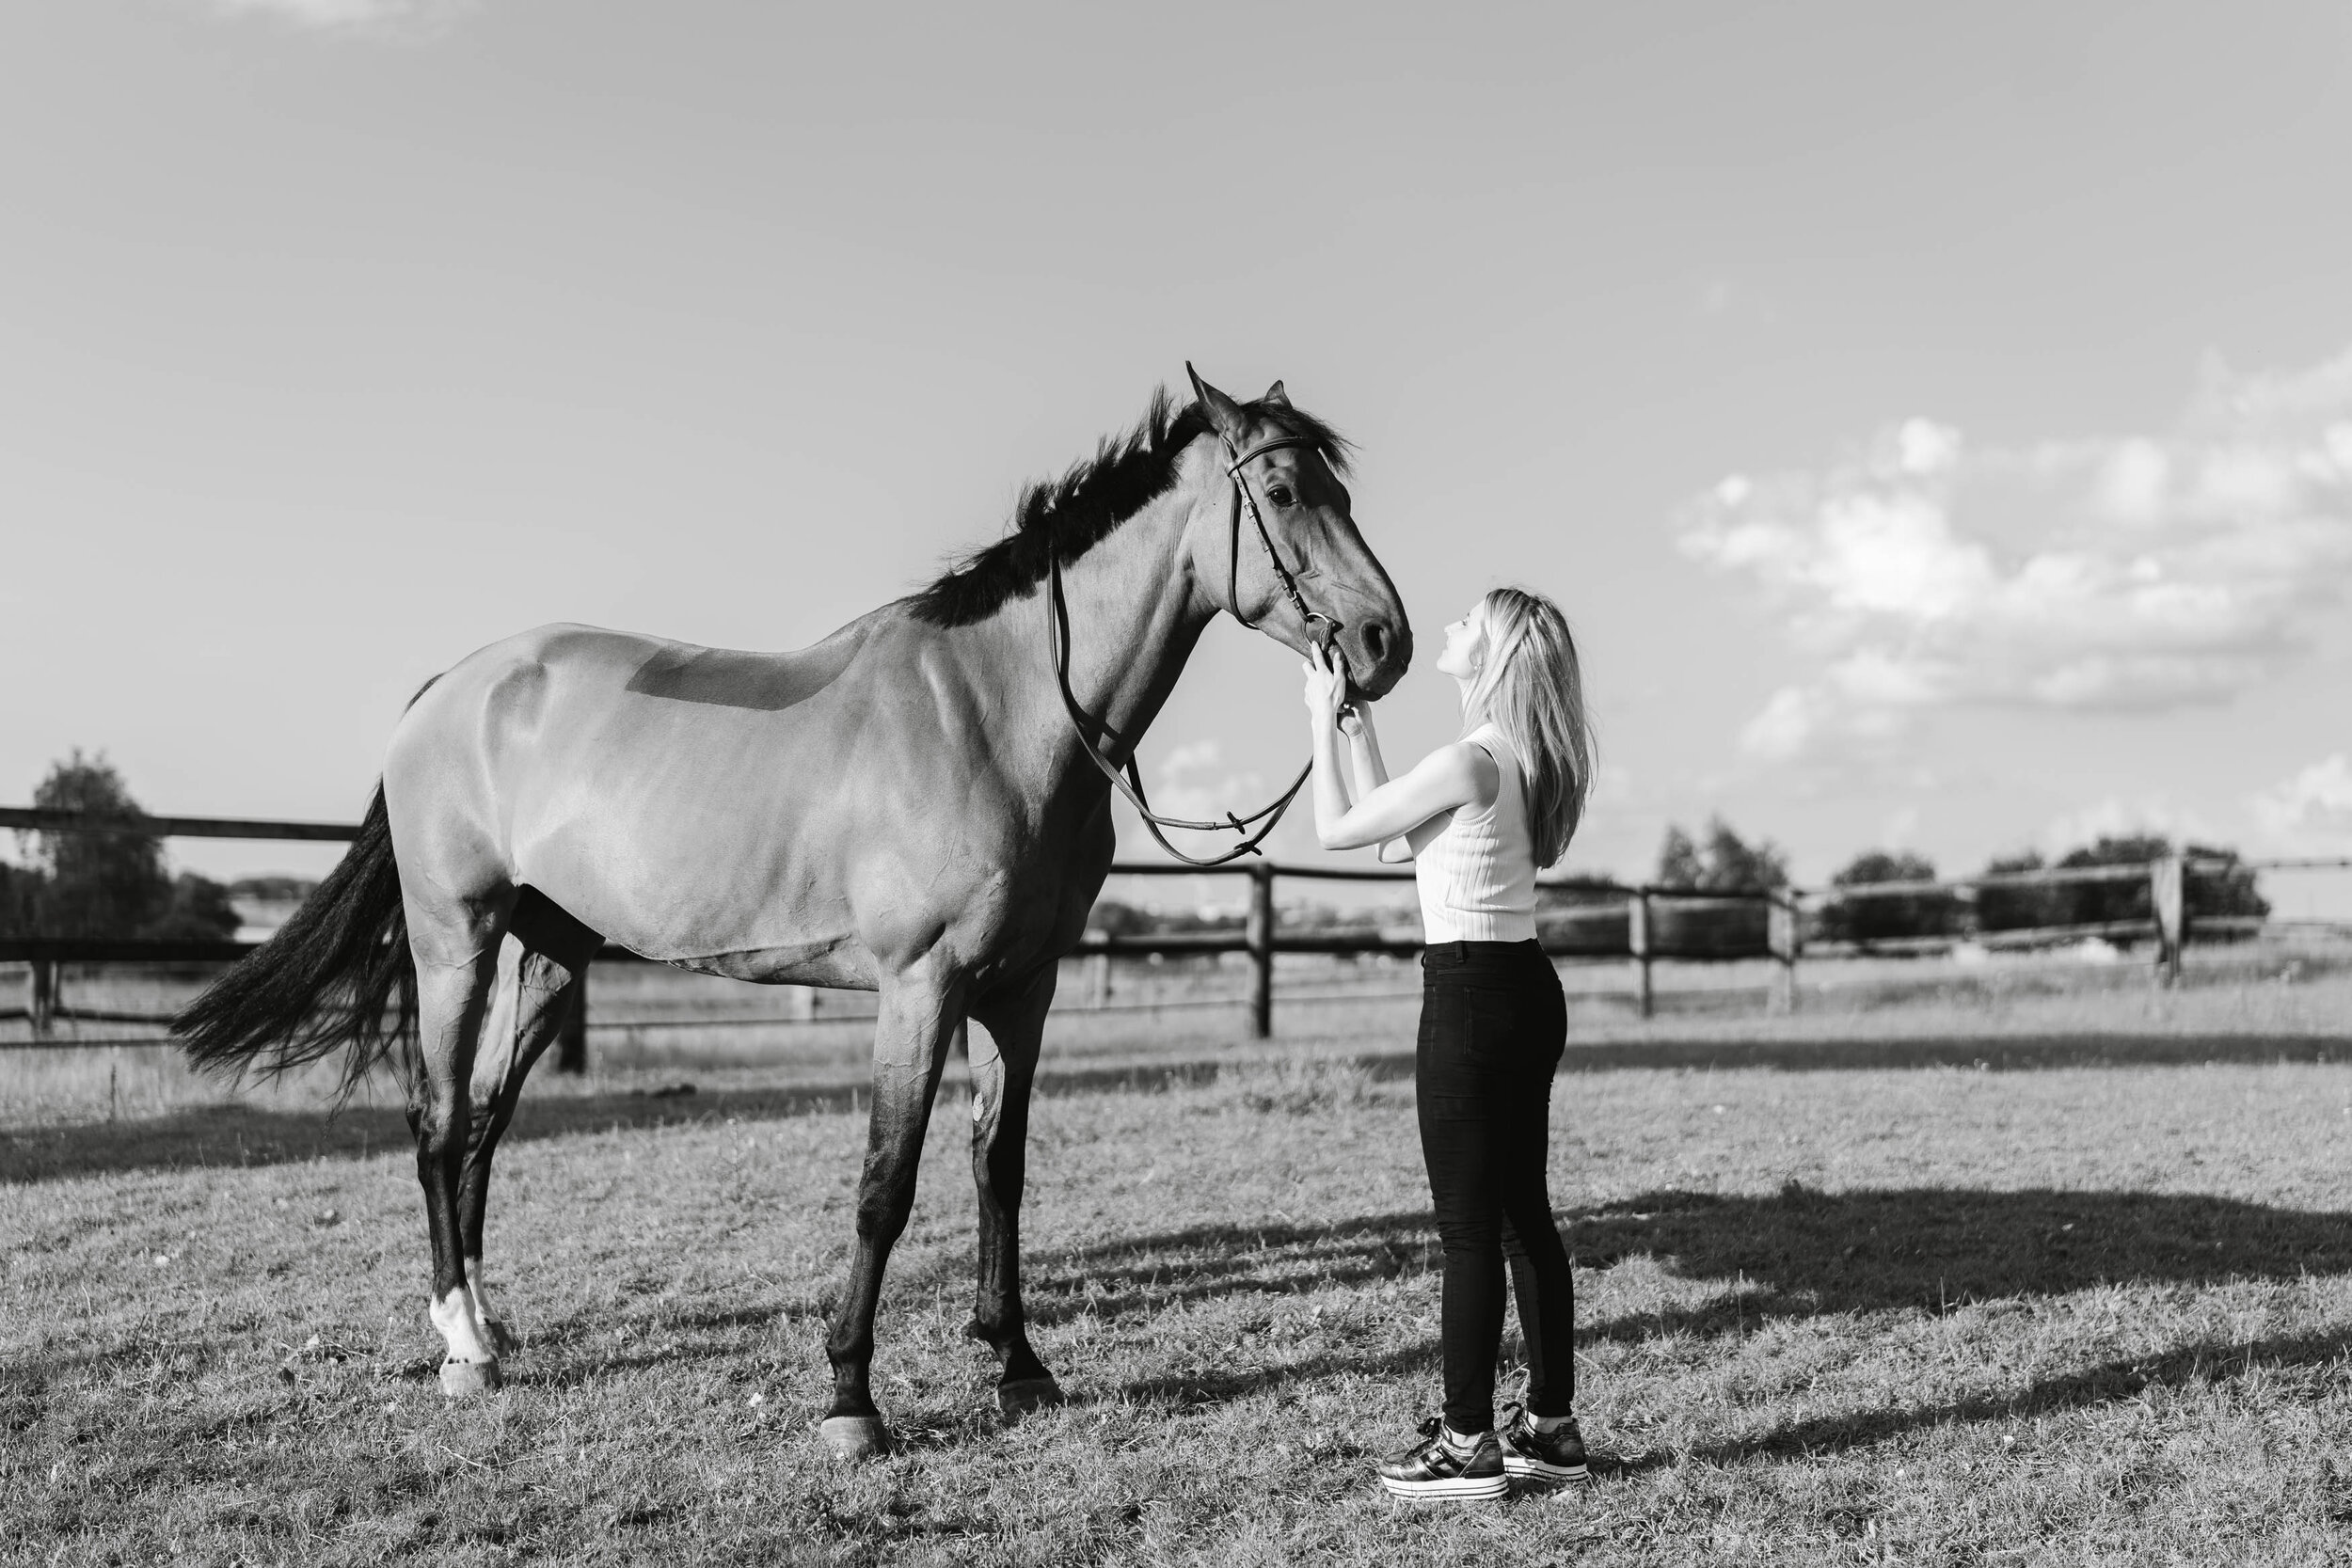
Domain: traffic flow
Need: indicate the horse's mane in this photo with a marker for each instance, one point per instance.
(1064, 518)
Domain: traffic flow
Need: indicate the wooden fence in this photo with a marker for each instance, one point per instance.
(1643, 925)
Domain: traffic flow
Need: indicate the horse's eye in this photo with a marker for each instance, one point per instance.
(1279, 495)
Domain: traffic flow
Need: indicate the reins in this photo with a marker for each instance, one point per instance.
(1128, 780)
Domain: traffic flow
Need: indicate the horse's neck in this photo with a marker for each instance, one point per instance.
(1135, 614)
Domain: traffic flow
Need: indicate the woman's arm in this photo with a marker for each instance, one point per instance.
(1371, 771)
(1451, 776)
(1448, 778)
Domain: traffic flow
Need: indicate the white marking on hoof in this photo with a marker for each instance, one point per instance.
(453, 1315)
(489, 1321)
(1025, 1396)
(854, 1438)
(464, 1380)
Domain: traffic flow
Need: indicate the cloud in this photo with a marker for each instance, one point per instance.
(2135, 572)
(354, 16)
(1191, 783)
(2311, 810)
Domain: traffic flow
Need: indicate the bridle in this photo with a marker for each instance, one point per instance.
(1128, 780)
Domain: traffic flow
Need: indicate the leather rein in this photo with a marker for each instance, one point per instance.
(1127, 779)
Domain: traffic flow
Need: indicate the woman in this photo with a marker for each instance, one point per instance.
(1479, 817)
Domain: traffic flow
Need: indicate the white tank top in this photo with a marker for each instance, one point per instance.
(1477, 878)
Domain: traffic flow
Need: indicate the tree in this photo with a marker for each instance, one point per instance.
(198, 911)
(1734, 863)
(1115, 919)
(2231, 891)
(2087, 903)
(19, 896)
(113, 883)
(2020, 907)
(1678, 863)
(1888, 916)
(1728, 863)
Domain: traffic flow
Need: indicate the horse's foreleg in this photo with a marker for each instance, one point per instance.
(1001, 1077)
(919, 1011)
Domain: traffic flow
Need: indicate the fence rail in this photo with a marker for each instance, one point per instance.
(1644, 923)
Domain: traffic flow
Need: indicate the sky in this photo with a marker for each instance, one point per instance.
(1936, 423)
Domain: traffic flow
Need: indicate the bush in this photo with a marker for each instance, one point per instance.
(1888, 916)
(2018, 909)
(2232, 890)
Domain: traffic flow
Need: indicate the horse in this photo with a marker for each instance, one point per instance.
(918, 805)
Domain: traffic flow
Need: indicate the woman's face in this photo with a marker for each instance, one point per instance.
(1465, 645)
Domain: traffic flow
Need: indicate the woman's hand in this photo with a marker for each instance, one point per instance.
(1327, 684)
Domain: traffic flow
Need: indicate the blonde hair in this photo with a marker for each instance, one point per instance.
(1531, 687)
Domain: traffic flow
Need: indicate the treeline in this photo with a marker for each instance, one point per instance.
(105, 885)
(1722, 861)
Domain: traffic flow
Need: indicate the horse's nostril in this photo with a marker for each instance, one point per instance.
(1377, 642)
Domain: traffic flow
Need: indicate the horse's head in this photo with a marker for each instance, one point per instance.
(1321, 584)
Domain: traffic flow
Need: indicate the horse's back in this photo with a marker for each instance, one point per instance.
(686, 800)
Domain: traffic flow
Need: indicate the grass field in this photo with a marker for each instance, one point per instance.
(2032, 1279)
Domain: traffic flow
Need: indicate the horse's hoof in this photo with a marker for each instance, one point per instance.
(854, 1438)
(1025, 1394)
(502, 1340)
(463, 1380)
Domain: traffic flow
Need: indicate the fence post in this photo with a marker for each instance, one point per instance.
(1781, 934)
(1099, 980)
(1637, 940)
(41, 995)
(571, 1046)
(2167, 892)
(1258, 936)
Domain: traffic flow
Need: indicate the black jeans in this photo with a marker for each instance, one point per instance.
(1492, 1026)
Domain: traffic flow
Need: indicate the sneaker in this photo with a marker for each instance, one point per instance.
(1430, 1469)
(1548, 1456)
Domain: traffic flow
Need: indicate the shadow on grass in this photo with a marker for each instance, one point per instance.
(1994, 1054)
(2183, 1366)
(233, 1135)
(1148, 1274)
(1797, 1253)
(1223, 1384)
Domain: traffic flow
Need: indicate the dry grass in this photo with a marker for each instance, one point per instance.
(1834, 1308)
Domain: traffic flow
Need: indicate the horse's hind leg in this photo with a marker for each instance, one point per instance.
(920, 1010)
(454, 938)
(1014, 1018)
(453, 996)
(540, 963)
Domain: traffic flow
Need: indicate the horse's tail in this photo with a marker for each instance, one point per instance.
(337, 976)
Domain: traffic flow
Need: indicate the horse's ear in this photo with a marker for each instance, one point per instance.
(1225, 415)
(1276, 396)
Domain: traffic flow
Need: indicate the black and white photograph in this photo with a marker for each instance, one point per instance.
(1040, 785)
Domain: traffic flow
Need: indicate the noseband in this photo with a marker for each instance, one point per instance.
(1128, 779)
